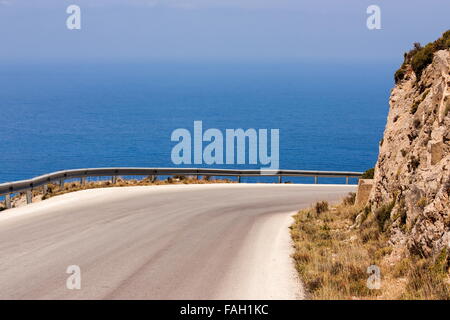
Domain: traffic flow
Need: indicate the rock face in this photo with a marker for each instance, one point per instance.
(364, 189)
(413, 167)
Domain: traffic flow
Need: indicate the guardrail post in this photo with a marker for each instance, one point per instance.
(346, 180)
(114, 179)
(239, 179)
(29, 197)
(8, 201)
(61, 182)
(45, 188)
(83, 181)
(316, 179)
(279, 179)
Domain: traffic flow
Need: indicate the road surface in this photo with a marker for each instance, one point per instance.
(224, 241)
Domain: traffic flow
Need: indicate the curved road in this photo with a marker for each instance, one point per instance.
(225, 241)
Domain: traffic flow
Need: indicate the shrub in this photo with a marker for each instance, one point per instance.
(400, 73)
(350, 199)
(420, 57)
(368, 174)
(321, 206)
(383, 214)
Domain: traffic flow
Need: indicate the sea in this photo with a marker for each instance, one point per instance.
(56, 116)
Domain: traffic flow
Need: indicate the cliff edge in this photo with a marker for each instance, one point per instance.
(412, 175)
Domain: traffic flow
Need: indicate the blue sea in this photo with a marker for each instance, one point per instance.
(55, 116)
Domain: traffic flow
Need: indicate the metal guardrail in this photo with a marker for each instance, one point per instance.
(28, 185)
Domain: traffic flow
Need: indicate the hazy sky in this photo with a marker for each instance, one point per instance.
(216, 30)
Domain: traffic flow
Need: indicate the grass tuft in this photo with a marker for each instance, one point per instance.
(321, 206)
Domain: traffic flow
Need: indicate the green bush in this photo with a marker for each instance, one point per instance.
(400, 73)
(383, 214)
(368, 174)
(420, 57)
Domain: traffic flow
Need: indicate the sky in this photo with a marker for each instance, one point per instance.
(217, 30)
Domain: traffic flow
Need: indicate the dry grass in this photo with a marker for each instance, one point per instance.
(56, 190)
(334, 248)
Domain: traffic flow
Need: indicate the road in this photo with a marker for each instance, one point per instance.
(224, 241)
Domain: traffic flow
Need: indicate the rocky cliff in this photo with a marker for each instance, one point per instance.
(412, 174)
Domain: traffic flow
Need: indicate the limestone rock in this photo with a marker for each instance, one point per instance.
(413, 167)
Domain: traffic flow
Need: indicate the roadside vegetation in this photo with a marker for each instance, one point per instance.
(335, 245)
(56, 190)
(420, 57)
(368, 174)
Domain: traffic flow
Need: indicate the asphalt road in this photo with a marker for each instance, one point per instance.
(159, 242)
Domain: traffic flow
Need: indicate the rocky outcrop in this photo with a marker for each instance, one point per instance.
(413, 168)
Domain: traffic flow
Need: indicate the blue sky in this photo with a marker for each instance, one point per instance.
(217, 30)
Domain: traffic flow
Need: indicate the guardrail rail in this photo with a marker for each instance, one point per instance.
(26, 186)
